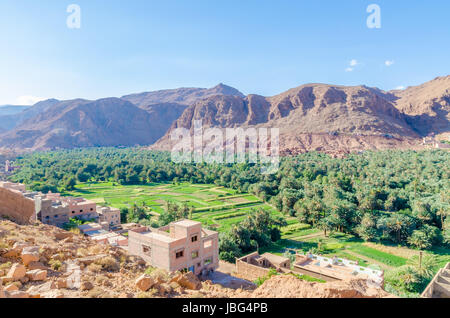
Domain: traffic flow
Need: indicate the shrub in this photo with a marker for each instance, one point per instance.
(108, 263)
(95, 268)
(261, 280)
(5, 266)
(96, 292)
(55, 264)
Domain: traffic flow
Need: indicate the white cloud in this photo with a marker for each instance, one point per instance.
(28, 100)
(353, 62)
(351, 65)
(389, 63)
(400, 87)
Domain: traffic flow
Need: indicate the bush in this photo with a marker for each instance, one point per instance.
(261, 280)
(108, 263)
(55, 264)
(406, 279)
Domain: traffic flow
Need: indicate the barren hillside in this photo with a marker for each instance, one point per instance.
(41, 261)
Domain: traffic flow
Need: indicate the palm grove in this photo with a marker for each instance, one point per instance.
(396, 196)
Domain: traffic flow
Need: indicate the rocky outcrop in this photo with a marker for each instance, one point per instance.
(144, 283)
(313, 117)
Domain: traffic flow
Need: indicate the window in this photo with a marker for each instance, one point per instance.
(207, 244)
(73, 212)
(146, 250)
(208, 261)
(92, 209)
(194, 238)
(81, 211)
(194, 255)
(199, 264)
(56, 215)
(47, 217)
(179, 254)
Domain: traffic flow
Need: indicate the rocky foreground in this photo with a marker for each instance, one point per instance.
(41, 261)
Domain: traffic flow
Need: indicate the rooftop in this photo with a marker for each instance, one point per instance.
(186, 223)
(275, 259)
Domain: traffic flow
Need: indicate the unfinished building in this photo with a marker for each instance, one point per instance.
(180, 246)
(26, 207)
(253, 266)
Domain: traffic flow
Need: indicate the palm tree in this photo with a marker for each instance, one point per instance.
(425, 267)
(421, 241)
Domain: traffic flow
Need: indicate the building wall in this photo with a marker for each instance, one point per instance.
(110, 216)
(163, 254)
(159, 251)
(51, 214)
(86, 210)
(248, 271)
(15, 206)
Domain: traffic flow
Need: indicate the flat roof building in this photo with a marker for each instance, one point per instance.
(180, 246)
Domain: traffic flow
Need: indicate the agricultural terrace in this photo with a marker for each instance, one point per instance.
(214, 206)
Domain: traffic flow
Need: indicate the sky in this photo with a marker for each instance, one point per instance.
(257, 46)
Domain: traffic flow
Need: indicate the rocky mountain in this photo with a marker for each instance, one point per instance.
(12, 109)
(183, 96)
(312, 117)
(10, 121)
(427, 106)
(106, 122)
(81, 123)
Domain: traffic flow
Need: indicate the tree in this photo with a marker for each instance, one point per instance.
(396, 227)
(367, 229)
(425, 266)
(420, 240)
(70, 183)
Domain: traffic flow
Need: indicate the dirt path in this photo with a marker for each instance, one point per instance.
(307, 237)
(369, 260)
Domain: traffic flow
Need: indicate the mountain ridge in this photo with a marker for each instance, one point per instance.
(311, 117)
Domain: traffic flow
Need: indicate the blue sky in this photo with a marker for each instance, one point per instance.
(257, 46)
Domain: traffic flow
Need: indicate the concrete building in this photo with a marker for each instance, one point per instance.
(109, 215)
(9, 167)
(55, 210)
(180, 246)
(253, 266)
(27, 206)
(17, 203)
(51, 212)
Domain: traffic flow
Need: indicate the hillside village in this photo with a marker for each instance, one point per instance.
(51, 264)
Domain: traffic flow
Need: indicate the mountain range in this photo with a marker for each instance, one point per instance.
(311, 117)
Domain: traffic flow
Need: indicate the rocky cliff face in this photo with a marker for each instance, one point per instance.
(427, 106)
(311, 117)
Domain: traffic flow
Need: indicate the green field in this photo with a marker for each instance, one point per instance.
(220, 208)
(214, 206)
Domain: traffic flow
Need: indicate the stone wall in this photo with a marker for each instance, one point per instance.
(248, 271)
(16, 207)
